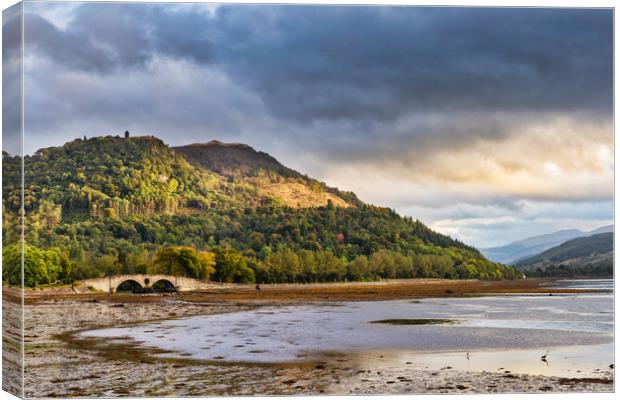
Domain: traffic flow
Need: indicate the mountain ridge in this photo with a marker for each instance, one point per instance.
(588, 255)
(518, 250)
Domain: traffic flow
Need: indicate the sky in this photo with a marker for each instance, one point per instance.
(488, 124)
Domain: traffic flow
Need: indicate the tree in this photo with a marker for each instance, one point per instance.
(382, 263)
(265, 251)
(179, 260)
(358, 270)
(35, 271)
(65, 267)
(284, 266)
(308, 266)
(138, 263)
(207, 264)
(40, 266)
(230, 266)
(52, 263)
(51, 213)
(106, 264)
(329, 267)
(12, 264)
(109, 212)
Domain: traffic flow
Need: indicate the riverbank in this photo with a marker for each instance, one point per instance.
(60, 365)
(319, 292)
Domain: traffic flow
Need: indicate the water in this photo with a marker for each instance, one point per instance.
(597, 284)
(487, 333)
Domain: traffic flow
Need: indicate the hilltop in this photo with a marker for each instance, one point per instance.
(109, 205)
(271, 178)
(233, 159)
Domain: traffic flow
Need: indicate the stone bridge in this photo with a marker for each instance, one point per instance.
(146, 283)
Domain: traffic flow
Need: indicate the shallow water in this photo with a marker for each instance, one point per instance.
(563, 361)
(598, 284)
(498, 331)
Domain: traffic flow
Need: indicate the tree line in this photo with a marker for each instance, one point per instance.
(232, 266)
(601, 270)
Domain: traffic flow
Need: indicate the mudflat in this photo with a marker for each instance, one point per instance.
(60, 363)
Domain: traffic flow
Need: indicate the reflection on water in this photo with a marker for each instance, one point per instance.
(500, 331)
(565, 361)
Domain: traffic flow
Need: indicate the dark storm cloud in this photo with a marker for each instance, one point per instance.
(380, 63)
(11, 78)
(358, 63)
(428, 110)
(104, 38)
(88, 48)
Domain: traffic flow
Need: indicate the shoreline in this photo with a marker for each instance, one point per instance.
(315, 292)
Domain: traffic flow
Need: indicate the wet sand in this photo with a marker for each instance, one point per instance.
(12, 350)
(60, 364)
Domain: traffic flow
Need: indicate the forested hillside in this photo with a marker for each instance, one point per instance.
(109, 205)
(586, 256)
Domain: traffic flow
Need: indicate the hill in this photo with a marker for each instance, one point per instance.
(591, 256)
(513, 252)
(109, 205)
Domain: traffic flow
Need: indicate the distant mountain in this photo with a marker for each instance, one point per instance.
(514, 252)
(592, 255)
(604, 229)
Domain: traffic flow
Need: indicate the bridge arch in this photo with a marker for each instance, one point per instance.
(129, 285)
(163, 285)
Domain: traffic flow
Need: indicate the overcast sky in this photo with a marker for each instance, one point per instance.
(488, 124)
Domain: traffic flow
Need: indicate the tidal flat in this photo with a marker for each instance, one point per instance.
(168, 345)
